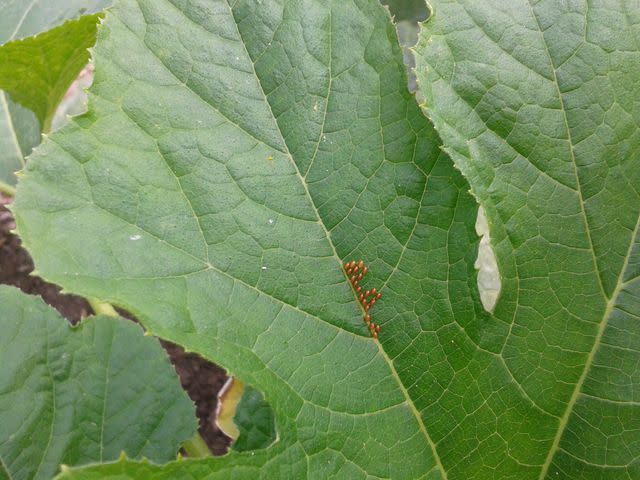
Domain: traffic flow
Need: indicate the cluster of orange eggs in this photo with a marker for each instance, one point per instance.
(356, 271)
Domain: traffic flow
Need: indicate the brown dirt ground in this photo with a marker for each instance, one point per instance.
(201, 379)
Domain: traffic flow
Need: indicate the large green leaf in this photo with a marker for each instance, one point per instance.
(538, 106)
(229, 161)
(84, 394)
(234, 157)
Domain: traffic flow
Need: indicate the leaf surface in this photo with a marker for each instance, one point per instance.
(19, 133)
(37, 71)
(77, 395)
(22, 19)
(235, 158)
(536, 104)
(218, 185)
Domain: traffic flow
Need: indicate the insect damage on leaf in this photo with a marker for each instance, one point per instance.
(356, 272)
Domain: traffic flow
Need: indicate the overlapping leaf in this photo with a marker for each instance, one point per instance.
(537, 105)
(84, 394)
(37, 71)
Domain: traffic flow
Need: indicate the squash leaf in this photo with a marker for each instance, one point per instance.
(237, 156)
(74, 395)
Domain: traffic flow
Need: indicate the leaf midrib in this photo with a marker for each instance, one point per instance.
(610, 301)
(24, 16)
(403, 390)
(105, 394)
(596, 345)
(4, 469)
(563, 109)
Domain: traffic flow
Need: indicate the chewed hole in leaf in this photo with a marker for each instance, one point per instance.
(245, 416)
(489, 284)
(412, 10)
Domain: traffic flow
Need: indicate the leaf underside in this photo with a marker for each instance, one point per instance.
(235, 157)
(74, 395)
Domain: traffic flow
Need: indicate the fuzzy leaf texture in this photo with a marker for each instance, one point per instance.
(74, 395)
(537, 104)
(214, 188)
(229, 164)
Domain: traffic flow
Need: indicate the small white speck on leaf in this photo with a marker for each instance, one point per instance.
(271, 221)
(135, 237)
(263, 268)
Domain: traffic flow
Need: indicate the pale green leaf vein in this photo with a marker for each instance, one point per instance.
(589, 361)
(572, 152)
(404, 391)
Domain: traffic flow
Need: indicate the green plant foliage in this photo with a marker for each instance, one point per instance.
(254, 419)
(22, 19)
(77, 395)
(19, 133)
(38, 75)
(537, 105)
(240, 152)
(37, 71)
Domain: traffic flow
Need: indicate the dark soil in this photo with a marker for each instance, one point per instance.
(201, 379)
